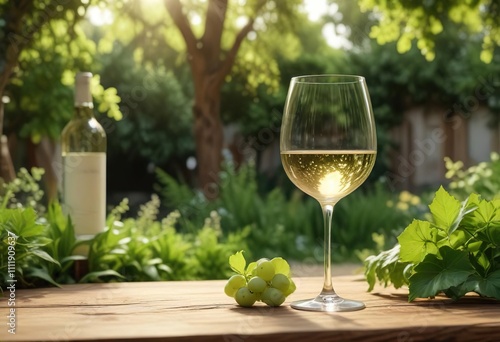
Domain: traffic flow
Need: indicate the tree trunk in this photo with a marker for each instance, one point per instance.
(209, 140)
(210, 64)
(7, 172)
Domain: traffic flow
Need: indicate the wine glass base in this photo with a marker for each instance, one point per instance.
(328, 303)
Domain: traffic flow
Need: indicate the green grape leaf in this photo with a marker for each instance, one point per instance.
(281, 266)
(237, 262)
(386, 268)
(486, 212)
(485, 222)
(417, 240)
(250, 269)
(488, 286)
(445, 210)
(491, 234)
(433, 275)
(469, 219)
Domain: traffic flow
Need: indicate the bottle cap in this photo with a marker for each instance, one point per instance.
(83, 96)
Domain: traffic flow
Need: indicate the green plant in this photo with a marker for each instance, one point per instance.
(483, 178)
(455, 252)
(146, 249)
(24, 191)
(23, 241)
(374, 211)
(37, 248)
(291, 226)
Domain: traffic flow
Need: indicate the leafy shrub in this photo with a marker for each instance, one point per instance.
(292, 226)
(23, 239)
(143, 248)
(366, 220)
(146, 249)
(240, 206)
(483, 178)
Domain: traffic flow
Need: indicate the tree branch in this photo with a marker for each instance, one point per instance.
(214, 27)
(231, 55)
(174, 8)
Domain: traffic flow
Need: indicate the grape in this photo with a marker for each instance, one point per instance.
(234, 284)
(291, 289)
(281, 266)
(257, 285)
(244, 297)
(273, 297)
(265, 270)
(280, 282)
(263, 280)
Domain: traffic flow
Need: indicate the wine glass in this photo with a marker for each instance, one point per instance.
(328, 148)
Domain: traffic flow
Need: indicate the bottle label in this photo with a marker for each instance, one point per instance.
(84, 191)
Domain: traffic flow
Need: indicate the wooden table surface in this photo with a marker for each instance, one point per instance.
(200, 311)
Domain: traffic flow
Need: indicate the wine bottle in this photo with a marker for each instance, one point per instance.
(83, 144)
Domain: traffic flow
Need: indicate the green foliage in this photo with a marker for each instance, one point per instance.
(23, 241)
(405, 21)
(384, 213)
(24, 191)
(156, 106)
(483, 178)
(240, 205)
(144, 248)
(291, 226)
(40, 91)
(455, 252)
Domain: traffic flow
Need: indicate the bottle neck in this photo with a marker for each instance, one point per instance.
(84, 111)
(83, 96)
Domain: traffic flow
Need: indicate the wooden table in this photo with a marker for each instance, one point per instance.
(200, 311)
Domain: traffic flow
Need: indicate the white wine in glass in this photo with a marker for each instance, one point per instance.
(328, 149)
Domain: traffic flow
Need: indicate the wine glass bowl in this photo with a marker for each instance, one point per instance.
(328, 148)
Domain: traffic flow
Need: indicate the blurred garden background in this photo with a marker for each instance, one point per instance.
(191, 95)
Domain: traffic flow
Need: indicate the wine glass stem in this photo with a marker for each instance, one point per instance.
(327, 217)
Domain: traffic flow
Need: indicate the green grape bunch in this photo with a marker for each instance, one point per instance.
(264, 280)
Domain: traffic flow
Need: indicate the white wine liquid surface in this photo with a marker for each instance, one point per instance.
(327, 175)
(84, 191)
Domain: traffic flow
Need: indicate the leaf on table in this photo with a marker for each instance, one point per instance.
(488, 286)
(445, 210)
(386, 268)
(417, 240)
(433, 275)
(237, 262)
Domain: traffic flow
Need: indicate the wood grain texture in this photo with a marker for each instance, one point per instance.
(200, 311)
